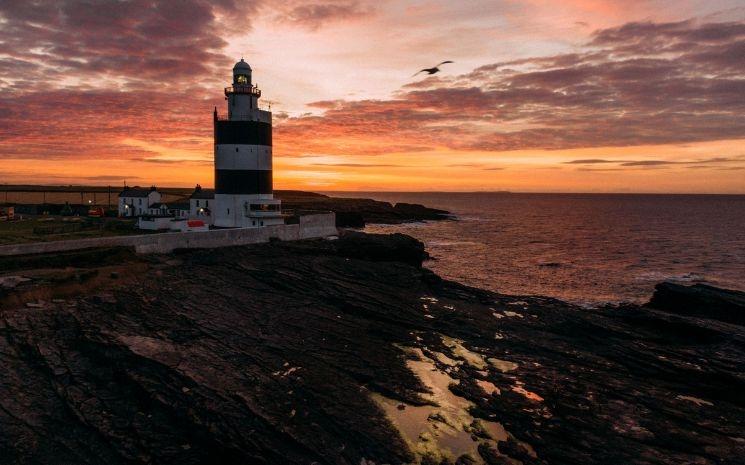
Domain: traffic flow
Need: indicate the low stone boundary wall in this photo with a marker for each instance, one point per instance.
(308, 227)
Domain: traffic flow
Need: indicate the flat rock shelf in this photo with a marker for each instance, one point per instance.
(349, 352)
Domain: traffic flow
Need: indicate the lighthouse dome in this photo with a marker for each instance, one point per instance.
(241, 65)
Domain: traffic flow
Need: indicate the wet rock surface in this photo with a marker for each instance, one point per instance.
(277, 353)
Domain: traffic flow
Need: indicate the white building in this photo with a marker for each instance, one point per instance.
(243, 194)
(136, 201)
(174, 210)
(201, 203)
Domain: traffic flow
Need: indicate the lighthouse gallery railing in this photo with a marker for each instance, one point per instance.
(251, 90)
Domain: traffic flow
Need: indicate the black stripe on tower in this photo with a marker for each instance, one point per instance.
(243, 132)
(243, 182)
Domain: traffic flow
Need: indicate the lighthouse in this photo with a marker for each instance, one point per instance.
(243, 158)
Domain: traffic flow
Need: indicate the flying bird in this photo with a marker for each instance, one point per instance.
(433, 70)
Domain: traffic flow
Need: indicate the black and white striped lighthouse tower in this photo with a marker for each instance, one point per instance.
(243, 158)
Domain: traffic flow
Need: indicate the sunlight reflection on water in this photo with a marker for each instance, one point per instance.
(444, 429)
(583, 248)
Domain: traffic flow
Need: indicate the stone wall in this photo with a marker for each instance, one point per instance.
(308, 227)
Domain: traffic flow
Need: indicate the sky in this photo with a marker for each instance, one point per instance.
(543, 96)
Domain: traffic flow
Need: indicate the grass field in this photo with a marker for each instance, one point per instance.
(54, 228)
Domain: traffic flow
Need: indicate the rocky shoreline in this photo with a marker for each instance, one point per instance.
(349, 352)
(356, 212)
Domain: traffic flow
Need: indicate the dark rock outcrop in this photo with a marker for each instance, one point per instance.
(355, 213)
(270, 353)
(349, 220)
(418, 211)
(700, 300)
(382, 248)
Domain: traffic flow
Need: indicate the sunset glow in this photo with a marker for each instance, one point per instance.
(577, 96)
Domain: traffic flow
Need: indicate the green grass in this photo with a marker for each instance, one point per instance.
(31, 229)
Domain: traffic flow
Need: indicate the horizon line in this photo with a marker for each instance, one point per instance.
(9, 188)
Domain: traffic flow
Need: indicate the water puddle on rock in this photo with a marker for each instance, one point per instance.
(502, 365)
(447, 429)
(456, 347)
(445, 360)
(527, 394)
(488, 387)
(512, 314)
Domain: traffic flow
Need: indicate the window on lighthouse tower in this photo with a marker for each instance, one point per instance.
(241, 79)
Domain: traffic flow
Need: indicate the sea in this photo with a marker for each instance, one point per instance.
(588, 249)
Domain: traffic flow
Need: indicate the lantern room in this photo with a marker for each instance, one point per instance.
(242, 74)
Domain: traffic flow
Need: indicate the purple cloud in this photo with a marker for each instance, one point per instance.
(314, 14)
(642, 83)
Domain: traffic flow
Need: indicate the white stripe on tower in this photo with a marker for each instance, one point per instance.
(243, 157)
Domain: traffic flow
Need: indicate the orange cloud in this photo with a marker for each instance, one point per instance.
(129, 88)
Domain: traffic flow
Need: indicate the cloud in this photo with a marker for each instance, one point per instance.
(174, 161)
(589, 161)
(130, 44)
(699, 163)
(649, 163)
(676, 162)
(358, 165)
(78, 78)
(639, 84)
(118, 71)
(313, 14)
(64, 124)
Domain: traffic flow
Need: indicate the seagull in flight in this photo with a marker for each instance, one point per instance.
(433, 70)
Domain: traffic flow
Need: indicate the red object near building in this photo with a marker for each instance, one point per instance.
(195, 223)
(7, 213)
(96, 212)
